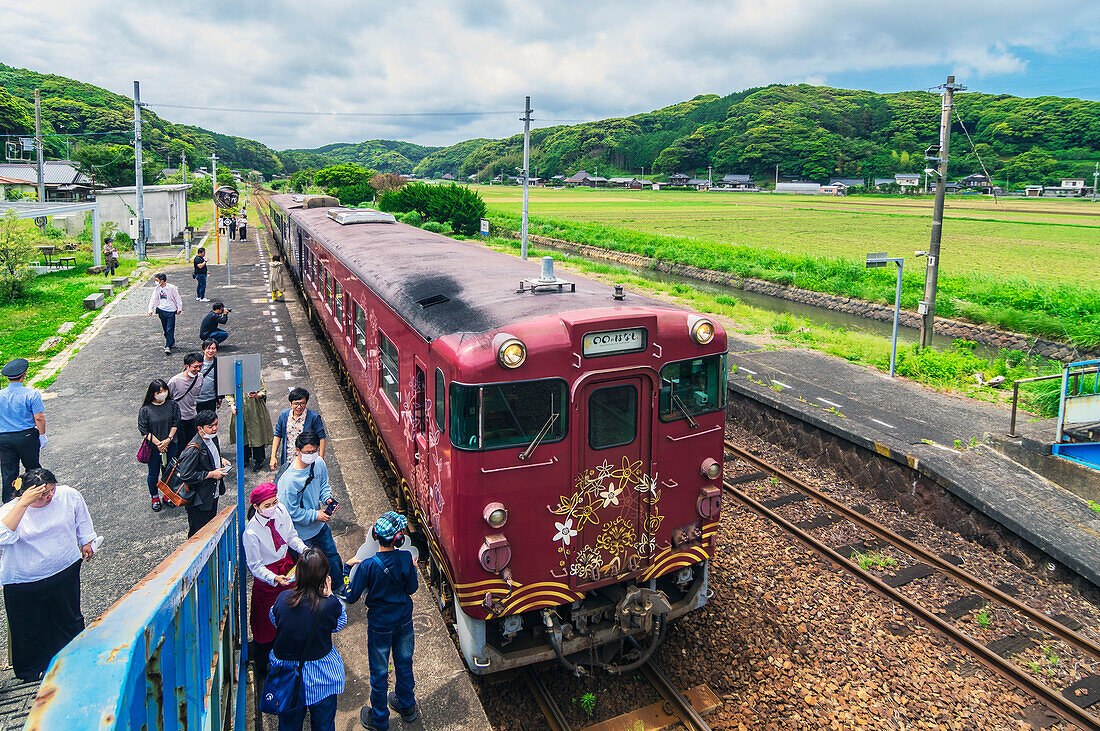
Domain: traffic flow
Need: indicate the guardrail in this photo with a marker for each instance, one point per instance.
(1016, 390)
(164, 656)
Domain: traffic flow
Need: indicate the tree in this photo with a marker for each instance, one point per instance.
(16, 251)
(385, 182)
(14, 118)
(1033, 166)
(225, 177)
(350, 183)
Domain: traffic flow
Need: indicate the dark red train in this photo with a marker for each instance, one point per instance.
(558, 443)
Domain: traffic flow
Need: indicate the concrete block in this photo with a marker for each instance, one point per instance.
(121, 282)
(65, 327)
(107, 290)
(94, 301)
(49, 343)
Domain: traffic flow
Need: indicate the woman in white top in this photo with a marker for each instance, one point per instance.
(44, 533)
(269, 533)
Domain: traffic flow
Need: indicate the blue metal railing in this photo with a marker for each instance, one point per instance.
(1079, 404)
(164, 656)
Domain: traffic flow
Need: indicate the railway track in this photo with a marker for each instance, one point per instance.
(1060, 702)
(675, 706)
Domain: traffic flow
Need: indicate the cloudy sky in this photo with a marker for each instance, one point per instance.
(454, 69)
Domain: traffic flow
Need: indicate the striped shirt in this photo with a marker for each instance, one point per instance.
(320, 678)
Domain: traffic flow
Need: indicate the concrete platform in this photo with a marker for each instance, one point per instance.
(91, 411)
(917, 427)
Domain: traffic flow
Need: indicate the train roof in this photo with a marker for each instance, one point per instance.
(410, 269)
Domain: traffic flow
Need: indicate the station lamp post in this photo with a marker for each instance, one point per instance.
(881, 260)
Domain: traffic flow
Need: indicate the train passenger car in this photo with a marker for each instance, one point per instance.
(558, 443)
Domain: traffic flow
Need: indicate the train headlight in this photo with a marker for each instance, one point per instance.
(495, 514)
(710, 468)
(511, 352)
(702, 331)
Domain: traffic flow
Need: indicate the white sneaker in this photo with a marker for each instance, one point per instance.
(205, 299)
(199, 299)
(167, 350)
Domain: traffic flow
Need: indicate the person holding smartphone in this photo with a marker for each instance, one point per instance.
(201, 468)
(305, 491)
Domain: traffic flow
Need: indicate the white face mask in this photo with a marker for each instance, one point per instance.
(160, 397)
(267, 512)
(307, 458)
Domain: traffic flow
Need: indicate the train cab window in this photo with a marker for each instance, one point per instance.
(338, 302)
(326, 294)
(508, 414)
(695, 386)
(612, 416)
(390, 383)
(440, 405)
(360, 330)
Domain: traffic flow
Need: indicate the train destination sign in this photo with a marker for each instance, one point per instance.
(610, 342)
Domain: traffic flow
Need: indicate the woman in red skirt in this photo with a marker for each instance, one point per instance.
(268, 535)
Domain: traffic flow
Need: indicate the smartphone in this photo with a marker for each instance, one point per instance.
(331, 505)
(228, 468)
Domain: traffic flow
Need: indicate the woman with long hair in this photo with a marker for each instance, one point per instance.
(158, 420)
(267, 541)
(304, 621)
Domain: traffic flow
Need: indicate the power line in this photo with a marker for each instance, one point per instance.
(296, 112)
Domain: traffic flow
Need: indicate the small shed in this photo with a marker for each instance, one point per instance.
(801, 188)
(164, 205)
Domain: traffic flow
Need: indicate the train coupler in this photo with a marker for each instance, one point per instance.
(638, 607)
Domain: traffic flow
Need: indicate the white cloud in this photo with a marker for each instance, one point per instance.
(576, 59)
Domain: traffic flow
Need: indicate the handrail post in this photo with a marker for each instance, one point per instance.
(1015, 396)
(242, 599)
(1062, 406)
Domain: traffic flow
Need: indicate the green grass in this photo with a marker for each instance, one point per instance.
(51, 299)
(820, 244)
(199, 212)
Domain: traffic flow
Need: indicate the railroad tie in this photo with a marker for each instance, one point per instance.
(751, 477)
(963, 606)
(907, 574)
(1085, 692)
(819, 521)
(778, 502)
(1011, 645)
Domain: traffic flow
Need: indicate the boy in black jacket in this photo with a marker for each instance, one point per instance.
(388, 579)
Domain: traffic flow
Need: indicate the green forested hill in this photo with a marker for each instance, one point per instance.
(808, 131)
(101, 123)
(389, 156)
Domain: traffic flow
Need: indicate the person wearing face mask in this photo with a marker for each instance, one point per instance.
(158, 420)
(201, 468)
(207, 399)
(305, 492)
(165, 302)
(44, 533)
(266, 538)
(184, 388)
(292, 422)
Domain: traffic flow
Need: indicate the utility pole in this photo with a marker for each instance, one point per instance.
(137, 174)
(710, 175)
(1095, 177)
(217, 220)
(183, 169)
(526, 173)
(38, 149)
(777, 177)
(927, 306)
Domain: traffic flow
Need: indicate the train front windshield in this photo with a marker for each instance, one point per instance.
(694, 387)
(508, 414)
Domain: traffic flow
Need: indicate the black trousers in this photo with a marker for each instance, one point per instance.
(199, 515)
(43, 616)
(184, 434)
(16, 447)
(256, 454)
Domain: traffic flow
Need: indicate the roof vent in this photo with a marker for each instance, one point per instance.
(346, 216)
(546, 279)
(435, 299)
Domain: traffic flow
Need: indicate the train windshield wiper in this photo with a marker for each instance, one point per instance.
(539, 437)
(679, 405)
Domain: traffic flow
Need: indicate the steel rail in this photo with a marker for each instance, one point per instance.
(1049, 697)
(554, 717)
(681, 708)
(1057, 629)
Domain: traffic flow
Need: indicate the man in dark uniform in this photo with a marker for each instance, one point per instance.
(201, 468)
(22, 425)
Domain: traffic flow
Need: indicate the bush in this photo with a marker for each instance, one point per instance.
(462, 208)
(434, 227)
(412, 218)
(123, 242)
(14, 287)
(783, 324)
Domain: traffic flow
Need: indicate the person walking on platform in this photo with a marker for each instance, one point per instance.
(22, 425)
(242, 227)
(266, 538)
(232, 227)
(165, 302)
(184, 388)
(207, 399)
(212, 322)
(201, 468)
(44, 533)
(257, 426)
(388, 580)
(292, 422)
(307, 495)
(304, 621)
(158, 421)
(278, 278)
(201, 270)
(110, 259)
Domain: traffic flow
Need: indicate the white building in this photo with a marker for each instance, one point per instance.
(164, 205)
(803, 188)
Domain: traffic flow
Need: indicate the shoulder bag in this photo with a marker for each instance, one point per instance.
(145, 451)
(283, 691)
(172, 487)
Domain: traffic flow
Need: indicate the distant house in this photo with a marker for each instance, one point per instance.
(583, 179)
(698, 183)
(448, 176)
(977, 181)
(952, 186)
(881, 183)
(907, 180)
(848, 182)
(621, 182)
(835, 189)
(799, 187)
(1033, 191)
(63, 182)
(678, 179)
(1069, 188)
(736, 181)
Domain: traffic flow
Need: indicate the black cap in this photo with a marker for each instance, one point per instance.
(15, 368)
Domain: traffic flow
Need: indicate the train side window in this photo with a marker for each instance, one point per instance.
(360, 330)
(327, 293)
(390, 382)
(420, 417)
(338, 302)
(696, 386)
(612, 416)
(440, 400)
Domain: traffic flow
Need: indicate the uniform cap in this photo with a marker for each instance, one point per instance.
(389, 525)
(15, 368)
